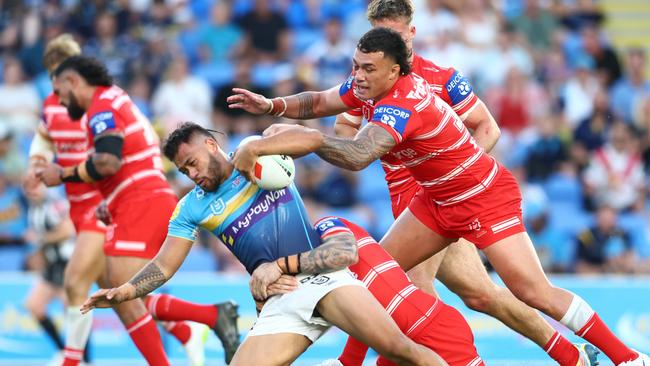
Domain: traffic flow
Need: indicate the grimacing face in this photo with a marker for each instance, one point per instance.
(64, 86)
(401, 26)
(374, 74)
(200, 160)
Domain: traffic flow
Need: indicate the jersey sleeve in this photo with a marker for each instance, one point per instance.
(354, 353)
(181, 223)
(103, 117)
(400, 121)
(329, 226)
(346, 92)
(458, 93)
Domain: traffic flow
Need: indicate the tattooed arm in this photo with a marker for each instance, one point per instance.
(153, 275)
(306, 105)
(368, 145)
(337, 252)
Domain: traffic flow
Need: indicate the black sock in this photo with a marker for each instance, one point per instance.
(50, 329)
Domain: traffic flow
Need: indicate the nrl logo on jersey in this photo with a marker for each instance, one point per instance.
(218, 207)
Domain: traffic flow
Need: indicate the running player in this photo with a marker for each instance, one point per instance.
(465, 192)
(458, 266)
(268, 230)
(125, 164)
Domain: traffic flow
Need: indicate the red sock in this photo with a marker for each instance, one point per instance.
(145, 335)
(596, 332)
(561, 350)
(72, 357)
(167, 307)
(180, 330)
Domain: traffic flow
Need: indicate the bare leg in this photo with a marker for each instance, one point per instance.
(277, 350)
(371, 325)
(84, 267)
(423, 274)
(463, 273)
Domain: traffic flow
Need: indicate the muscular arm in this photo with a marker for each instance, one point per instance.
(485, 127)
(369, 144)
(337, 252)
(344, 128)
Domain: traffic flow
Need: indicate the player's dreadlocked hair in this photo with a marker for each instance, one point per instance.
(390, 43)
(390, 9)
(183, 134)
(59, 49)
(91, 69)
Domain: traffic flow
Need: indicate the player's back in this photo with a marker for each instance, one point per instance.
(70, 140)
(410, 307)
(112, 110)
(255, 224)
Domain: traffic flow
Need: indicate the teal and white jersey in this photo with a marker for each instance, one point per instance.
(256, 225)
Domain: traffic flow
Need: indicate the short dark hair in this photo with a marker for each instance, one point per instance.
(390, 9)
(389, 42)
(182, 134)
(91, 69)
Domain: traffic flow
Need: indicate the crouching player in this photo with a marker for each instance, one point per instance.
(261, 227)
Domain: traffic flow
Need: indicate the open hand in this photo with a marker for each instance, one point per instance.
(264, 275)
(106, 298)
(248, 101)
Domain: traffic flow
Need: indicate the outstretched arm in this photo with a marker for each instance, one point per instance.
(337, 252)
(306, 105)
(153, 275)
(368, 145)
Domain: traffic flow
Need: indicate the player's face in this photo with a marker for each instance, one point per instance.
(374, 74)
(401, 26)
(64, 86)
(202, 161)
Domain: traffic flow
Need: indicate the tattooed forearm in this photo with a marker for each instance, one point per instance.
(370, 144)
(306, 102)
(148, 279)
(337, 252)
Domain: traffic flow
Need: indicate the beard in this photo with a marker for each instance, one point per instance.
(75, 111)
(214, 175)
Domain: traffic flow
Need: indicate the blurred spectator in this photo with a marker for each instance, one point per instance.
(117, 52)
(140, 93)
(447, 51)
(12, 162)
(432, 20)
(154, 59)
(13, 213)
(328, 61)
(642, 119)
(605, 247)
(537, 24)
(508, 53)
(241, 79)
(182, 97)
(580, 91)
(267, 32)
(578, 14)
(547, 152)
(631, 87)
(615, 174)
(591, 133)
(480, 23)
(607, 65)
(221, 37)
(19, 101)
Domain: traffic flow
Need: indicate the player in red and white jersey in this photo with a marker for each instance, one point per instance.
(125, 165)
(422, 317)
(417, 129)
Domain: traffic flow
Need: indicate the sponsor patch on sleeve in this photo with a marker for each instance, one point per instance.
(329, 226)
(346, 86)
(458, 88)
(395, 117)
(101, 122)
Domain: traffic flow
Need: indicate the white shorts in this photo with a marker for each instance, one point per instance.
(294, 312)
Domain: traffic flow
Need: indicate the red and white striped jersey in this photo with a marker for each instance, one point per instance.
(140, 175)
(448, 84)
(410, 307)
(432, 142)
(70, 140)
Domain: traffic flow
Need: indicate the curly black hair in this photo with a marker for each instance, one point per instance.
(390, 9)
(91, 69)
(182, 134)
(389, 42)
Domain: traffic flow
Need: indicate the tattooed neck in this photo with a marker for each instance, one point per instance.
(148, 279)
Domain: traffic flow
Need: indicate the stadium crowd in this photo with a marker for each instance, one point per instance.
(574, 112)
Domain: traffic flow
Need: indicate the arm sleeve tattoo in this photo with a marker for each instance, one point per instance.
(148, 279)
(370, 144)
(306, 103)
(336, 252)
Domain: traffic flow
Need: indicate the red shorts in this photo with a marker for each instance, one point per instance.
(484, 219)
(401, 202)
(449, 335)
(83, 217)
(139, 226)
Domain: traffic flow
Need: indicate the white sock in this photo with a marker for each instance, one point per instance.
(578, 314)
(77, 328)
